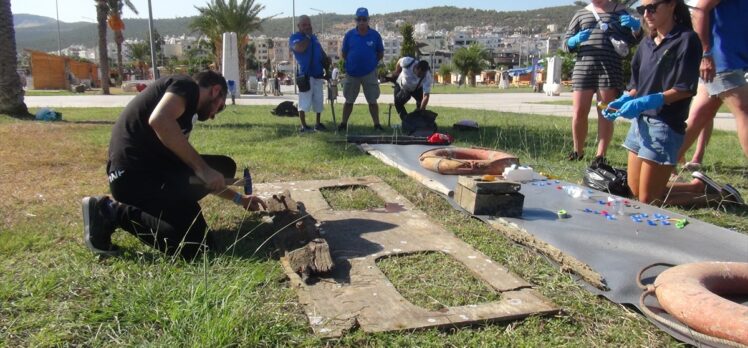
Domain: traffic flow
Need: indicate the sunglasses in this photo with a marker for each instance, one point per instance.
(651, 8)
(362, 19)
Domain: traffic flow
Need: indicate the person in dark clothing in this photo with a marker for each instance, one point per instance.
(664, 77)
(150, 165)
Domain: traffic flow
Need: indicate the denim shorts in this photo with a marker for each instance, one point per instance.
(725, 81)
(652, 139)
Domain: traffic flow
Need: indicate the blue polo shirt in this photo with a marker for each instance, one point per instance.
(361, 52)
(674, 64)
(729, 39)
(314, 49)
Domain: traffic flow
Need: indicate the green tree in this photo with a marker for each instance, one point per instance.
(223, 16)
(471, 60)
(139, 54)
(11, 92)
(102, 11)
(408, 48)
(445, 70)
(118, 26)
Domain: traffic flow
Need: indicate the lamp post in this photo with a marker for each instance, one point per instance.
(59, 42)
(322, 13)
(293, 29)
(150, 34)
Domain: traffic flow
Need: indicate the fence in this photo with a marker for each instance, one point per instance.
(55, 72)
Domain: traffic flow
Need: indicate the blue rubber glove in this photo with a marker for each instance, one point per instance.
(618, 103)
(631, 23)
(632, 108)
(580, 37)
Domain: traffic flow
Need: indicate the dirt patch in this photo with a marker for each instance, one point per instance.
(46, 164)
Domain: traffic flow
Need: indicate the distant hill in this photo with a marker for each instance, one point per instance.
(40, 33)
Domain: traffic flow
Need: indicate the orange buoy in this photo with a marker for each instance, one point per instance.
(463, 161)
(691, 293)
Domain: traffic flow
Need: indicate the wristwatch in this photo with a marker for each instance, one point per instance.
(707, 54)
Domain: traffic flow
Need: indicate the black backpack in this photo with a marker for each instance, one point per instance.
(603, 177)
(285, 108)
(420, 123)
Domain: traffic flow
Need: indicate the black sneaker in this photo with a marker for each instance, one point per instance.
(575, 156)
(343, 127)
(378, 127)
(97, 229)
(306, 129)
(320, 127)
(711, 185)
(732, 194)
(599, 160)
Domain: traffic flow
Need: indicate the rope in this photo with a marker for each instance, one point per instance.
(673, 325)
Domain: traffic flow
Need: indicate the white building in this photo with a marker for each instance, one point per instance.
(392, 45)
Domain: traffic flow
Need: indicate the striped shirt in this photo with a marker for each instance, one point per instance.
(598, 65)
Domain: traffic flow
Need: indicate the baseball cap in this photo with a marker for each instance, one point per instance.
(362, 12)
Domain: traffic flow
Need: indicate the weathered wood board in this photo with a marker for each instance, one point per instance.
(358, 294)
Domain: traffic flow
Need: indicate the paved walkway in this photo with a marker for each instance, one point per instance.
(505, 102)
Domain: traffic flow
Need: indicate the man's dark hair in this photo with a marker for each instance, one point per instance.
(210, 78)
(423, 66)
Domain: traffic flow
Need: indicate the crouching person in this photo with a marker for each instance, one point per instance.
(664, 77)
(413, 80)
(150, 165)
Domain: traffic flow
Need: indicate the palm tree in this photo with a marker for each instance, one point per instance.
(11, 92)
(102, 10)
(222, 16)
(117, 26)
(139, 53)
(444, 71)
(471, 60)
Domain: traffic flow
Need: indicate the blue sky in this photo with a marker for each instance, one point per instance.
(83, 10)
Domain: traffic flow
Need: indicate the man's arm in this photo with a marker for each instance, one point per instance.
(303, 44)
(702, 27)
(163, 120)
(424, 101)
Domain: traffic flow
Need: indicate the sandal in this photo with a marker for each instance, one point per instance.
(692, 166)
(730, 192)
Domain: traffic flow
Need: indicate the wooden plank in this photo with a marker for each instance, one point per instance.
(358, 294)
(476, 184)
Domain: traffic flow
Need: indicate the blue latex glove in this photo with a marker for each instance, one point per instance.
(618, 103)
(580, 37)
(631, 22)
(632, 108)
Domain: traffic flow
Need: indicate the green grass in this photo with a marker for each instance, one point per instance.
(568, 102)
(53, 292)
(386, 88)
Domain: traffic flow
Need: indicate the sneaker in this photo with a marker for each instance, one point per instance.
(306, 129)
(599, 160)
(378, 127)
(320, 127)
(575, 156)
(343, 127)
(732, 194)
(97, 229)
(711, 185)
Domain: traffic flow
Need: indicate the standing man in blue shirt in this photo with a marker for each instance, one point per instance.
(362, 50)
(310, 57)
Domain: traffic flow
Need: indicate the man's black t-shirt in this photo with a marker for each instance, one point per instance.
(134, 145)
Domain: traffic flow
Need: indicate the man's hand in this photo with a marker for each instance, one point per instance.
(213, 179)
(707, 70)
(253, 203)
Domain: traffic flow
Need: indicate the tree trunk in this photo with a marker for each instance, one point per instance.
(11, 92)
(102, 9)
(119, 39)
(242, 66)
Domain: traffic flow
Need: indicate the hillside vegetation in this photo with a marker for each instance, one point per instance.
(40, 33)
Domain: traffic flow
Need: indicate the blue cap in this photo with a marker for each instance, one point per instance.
(362, 12)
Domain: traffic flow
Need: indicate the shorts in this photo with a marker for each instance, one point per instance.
(352, 85)
(312, 99)
(652, 139)
(725, 81)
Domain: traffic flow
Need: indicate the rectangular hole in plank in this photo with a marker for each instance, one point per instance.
(354, 197)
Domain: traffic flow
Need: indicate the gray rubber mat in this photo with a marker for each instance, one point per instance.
(617, 248)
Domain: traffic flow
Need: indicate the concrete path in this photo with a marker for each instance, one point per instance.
(505, 102)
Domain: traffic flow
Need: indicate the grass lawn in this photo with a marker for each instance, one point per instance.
(453, 89)
(59, 92)
(53, 292)
(568, 102)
